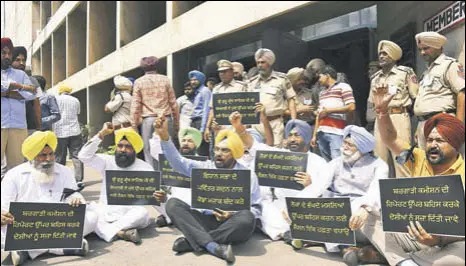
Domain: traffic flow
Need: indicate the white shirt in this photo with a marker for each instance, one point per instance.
(19, 185)
(360, 182)
(121, 108)
(68, 125)
(104, 162)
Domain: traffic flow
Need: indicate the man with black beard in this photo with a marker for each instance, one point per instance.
(444, 134)
(209, 230)
(117, 221)
(185, 105)
(42, 180)
(298, 135)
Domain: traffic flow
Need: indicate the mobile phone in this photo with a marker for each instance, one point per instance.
(218, 210)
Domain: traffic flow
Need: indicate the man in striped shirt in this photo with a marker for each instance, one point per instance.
(334, 103)
(68, 131)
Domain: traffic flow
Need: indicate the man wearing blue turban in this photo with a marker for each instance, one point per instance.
(355, 174)
(298, 135)
(201, 108)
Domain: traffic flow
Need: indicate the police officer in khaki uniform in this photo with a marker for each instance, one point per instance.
(372, 68)
(228, 84)
(401, 81)
(275, 88)
(305, 99)
(441, 88)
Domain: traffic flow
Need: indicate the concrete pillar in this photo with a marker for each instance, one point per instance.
(102, 29)
(45, 13)
(46, 61)
(59, 55)
(35, 19)
(36, 64)
(98, 96)
(76, 39)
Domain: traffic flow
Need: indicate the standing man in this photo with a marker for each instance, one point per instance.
(120, 105)
(227, 85)
(372, 68)
(33, 108)
(16, 88)
(275, 88)
(185, 104)
(441, 89)
(402, 82)
(200, 113)
(305, 100)
(238, 72)
(68, 131)
(50, 113)
(153, 96)
(334, 103)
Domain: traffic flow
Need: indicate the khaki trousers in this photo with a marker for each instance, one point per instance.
(12, 141)
(278, 129)
(402, 123)
(397, 247)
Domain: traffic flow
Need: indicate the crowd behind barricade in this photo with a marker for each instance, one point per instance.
(303, 112)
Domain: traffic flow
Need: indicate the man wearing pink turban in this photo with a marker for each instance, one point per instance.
(441, 89)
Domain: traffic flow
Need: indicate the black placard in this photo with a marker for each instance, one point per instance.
(322, 220)
(172, 178)
(277, 169)
(228, 190)
(244, 102)
(45, 226)
(132, 187)
(436, 202)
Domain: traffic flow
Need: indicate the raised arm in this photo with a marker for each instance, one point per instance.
(88, 155)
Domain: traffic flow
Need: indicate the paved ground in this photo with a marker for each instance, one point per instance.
(157, 244)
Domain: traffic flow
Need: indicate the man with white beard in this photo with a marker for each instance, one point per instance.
(117, 221)
(355, 174)
(41, 180)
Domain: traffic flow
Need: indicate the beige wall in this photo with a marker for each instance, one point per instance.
(18, 22)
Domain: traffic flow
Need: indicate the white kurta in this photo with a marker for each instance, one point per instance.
(273, 223)
(113, 218)
(19, 185)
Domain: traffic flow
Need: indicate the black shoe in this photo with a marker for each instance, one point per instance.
(161, 221)
(225, 252)
(182, 245)
(350, 256)
(78, 252)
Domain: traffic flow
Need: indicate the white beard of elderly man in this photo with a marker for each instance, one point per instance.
(41, 180)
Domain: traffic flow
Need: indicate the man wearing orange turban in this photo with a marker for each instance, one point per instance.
(402, 82)
(441, 89)
(445, 136)
(226, 227)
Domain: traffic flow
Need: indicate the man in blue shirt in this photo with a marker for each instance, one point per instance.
(201, 107)
(16, 89)
(50, 112)
(216, 230)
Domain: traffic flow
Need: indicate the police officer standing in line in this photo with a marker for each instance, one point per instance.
(402, 81)
(441, 89)
(274, 88)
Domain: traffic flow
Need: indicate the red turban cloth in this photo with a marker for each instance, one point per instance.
(448, 126)
(6, 42)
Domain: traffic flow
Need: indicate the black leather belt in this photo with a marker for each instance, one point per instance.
(427, 116)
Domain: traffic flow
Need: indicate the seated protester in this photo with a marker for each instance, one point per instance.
(41, 180)
(354, 174)
(190, 139)
(117, 221)
(445, 136)
(120, 104)
(298, 134)
(209, 229)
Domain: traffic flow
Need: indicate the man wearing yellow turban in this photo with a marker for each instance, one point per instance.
(402, 81)
(240, 226)
(441, 89)
(117, 221)
(41, 179)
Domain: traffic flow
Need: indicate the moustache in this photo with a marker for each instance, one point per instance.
(433, 150)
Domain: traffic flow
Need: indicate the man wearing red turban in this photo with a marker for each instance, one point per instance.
(444, 135)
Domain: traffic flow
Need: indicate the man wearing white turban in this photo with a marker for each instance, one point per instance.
(402, 81)
(355, 174)
(441, 89)
(41, 179)
(274, 88)
(120, 104)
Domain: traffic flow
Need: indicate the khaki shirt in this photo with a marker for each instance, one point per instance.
(439, 87)
(233, 86)
(273, 92)
(401, 79)
(305, 98)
